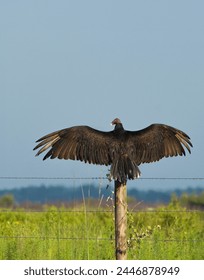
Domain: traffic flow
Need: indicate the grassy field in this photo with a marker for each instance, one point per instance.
(164, 233)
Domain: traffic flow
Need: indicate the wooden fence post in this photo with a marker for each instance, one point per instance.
(120, 221)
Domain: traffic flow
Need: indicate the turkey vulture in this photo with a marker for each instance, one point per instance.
(122, 149)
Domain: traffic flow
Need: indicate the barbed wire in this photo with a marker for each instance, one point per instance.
(92, 178)
(50, 178)
(97, 211)
(100, 239)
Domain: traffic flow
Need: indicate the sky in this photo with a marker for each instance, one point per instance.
(65, 63)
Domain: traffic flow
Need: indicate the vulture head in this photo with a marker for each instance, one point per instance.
(118, 124)
(116, 121)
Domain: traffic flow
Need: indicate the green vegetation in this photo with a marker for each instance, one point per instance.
(192, 200)
(7, 200)
(170, 232)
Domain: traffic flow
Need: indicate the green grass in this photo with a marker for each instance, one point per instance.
(62, 233)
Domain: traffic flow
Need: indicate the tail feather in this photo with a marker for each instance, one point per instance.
(123, 169)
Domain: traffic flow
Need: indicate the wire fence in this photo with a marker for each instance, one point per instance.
(93, 178)
(83, 232)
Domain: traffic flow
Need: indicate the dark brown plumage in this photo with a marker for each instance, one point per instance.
(123, 150)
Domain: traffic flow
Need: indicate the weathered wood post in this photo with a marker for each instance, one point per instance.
(120, 221)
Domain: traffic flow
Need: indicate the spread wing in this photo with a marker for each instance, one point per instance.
(77, 143)
(93, 146)
(155, 142)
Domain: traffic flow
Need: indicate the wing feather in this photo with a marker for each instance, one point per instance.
(77, 143)
(155, 142)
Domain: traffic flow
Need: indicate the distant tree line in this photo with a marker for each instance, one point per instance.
(54, 194)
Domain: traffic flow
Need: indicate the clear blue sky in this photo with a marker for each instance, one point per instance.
(66, 63)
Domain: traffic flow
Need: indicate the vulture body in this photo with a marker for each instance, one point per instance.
(122, 149)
